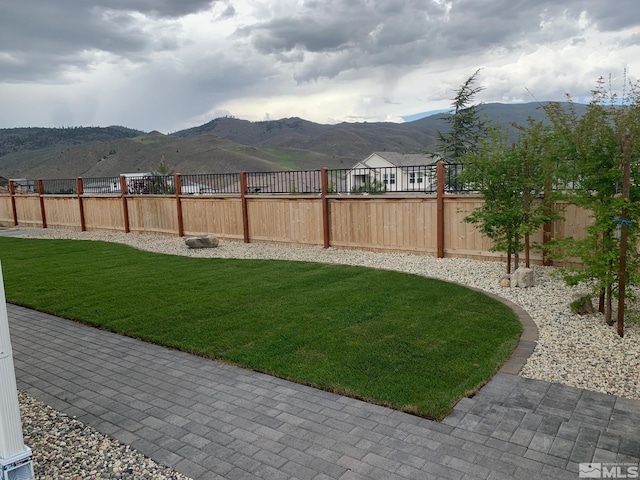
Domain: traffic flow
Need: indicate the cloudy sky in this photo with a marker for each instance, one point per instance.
(171, 64)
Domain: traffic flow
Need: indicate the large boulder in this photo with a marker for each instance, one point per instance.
(201, 241)
(522, 277)
(581, 303)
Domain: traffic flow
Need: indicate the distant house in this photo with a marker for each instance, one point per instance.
(22, 185)
(393, 172)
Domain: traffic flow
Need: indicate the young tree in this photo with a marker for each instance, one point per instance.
(598, 148)
(163, 168)
(162, 181)
(511, 179)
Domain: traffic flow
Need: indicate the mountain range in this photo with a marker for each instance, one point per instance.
(224, 145)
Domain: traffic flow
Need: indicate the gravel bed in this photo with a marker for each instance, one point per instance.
(63, 448)
(580, 351)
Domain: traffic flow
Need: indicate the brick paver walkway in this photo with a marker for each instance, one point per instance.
(210, 420)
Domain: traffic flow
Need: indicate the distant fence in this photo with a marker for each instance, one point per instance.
(413, 209)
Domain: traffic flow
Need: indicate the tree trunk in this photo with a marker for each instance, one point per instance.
(624, 231)
(608, 312)
(527, 208)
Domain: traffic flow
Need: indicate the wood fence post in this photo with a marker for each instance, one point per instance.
(42, 211)
(177, 180)
(440, 184)
(125, 207)
(83, 226)
(245, 210)
(324, 174)
(12, 194)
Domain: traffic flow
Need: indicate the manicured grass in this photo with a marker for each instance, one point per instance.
(402, 340)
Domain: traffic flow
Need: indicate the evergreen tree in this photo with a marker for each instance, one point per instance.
(163, 168)
(466, 128)
(162, 179)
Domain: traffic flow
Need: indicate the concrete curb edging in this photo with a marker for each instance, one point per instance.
(528, 339)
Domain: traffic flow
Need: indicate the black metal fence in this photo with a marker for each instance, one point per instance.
(101, 185)
(60, 186)
(348, 181)
(289, 182)
(379, 180)
(452, 181)
(209, 183)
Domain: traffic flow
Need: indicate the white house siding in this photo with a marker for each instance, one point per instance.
(394, 176)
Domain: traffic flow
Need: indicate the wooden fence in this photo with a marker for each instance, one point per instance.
(430, 224)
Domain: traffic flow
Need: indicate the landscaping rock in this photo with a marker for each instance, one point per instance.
(202, 241)
(505, 281)
(522, 277)
(581, 303)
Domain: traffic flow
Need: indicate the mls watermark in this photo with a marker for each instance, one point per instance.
(609, 470)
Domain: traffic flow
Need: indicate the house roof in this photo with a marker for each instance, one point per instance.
(407, 159)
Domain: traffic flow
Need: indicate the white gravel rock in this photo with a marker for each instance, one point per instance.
(64, 448)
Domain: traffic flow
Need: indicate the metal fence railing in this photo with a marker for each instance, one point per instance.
(150, 184)
(452, 183)
(287, 182)
(412, 179)
(347, 181)
(61, 186)
(209, 183)
(101, 185)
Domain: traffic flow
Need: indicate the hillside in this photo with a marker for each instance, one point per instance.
(350, 140)
(13, 140)
(225, 145)
(205, 153)
(357, 140)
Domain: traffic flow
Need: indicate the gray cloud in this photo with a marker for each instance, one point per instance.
(325, 27)
(172, 96)
(44, 39)
(631, 41)
(324, 37)
(137, 60)
(352, 35)
(157, 8)
(612, 17)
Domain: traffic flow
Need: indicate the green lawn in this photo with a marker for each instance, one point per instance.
(413, 343)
